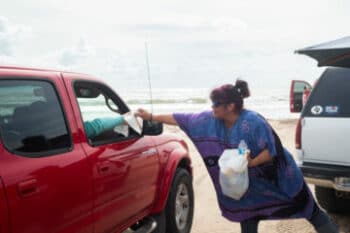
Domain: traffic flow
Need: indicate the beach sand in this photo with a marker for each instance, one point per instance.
(207, 216)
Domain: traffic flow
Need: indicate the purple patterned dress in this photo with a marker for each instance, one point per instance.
(276, 189)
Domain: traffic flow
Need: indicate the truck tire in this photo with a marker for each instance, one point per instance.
(328, 200)
(180, 203)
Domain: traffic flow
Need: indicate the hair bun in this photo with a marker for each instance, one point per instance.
(242, 87)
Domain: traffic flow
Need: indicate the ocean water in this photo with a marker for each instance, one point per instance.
(273, 104)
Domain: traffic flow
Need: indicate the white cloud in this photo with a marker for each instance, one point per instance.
(197, 42)
(75, 55)
(10, 35)
(232, 25)
(111, 65)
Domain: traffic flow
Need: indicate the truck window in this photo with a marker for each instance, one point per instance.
(31, 119)
(330, 97)
(97, 101)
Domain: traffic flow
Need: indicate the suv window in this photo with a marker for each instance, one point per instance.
(31, 118)
(332, 94)
(98, 102)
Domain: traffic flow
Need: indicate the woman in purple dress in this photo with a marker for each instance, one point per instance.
(277, 189)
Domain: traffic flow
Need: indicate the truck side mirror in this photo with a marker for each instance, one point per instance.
(152, 128)
(299, 93)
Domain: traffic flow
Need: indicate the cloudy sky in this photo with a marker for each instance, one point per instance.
(192, 43)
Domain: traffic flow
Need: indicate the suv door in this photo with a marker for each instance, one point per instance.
(125, 168)
(45, 172)
(326, 119)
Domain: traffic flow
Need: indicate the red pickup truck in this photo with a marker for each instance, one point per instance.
(53, 178)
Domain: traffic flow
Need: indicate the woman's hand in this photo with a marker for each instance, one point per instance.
(263, 157)
(251, 162)
(165, 118)
(143, 114)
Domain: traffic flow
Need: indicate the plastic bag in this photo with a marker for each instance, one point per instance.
(234, 179)
(134, 122)
(122, 129)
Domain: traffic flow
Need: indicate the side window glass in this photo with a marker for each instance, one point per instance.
(101, 113)
(331, 95)
(300, 87)
(31, 118)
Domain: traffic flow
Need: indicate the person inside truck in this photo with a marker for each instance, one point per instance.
(306, 94)
(277, 189)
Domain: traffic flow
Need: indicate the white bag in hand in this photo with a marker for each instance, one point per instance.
(234, 180)
(134, 122)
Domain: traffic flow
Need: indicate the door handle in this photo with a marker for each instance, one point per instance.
(104, 168)
(149, 152)
(28, 188)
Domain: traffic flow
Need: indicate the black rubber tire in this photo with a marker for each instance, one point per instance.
(328, 200)
(182, 176)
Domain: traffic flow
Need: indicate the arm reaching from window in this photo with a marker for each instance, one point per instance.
(97, 126)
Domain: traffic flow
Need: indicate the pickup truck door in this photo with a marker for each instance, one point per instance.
(4, 222)
(298, 90)
(125, 168)
(45, 172)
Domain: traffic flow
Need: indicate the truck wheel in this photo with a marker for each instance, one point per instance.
(180, 203)
(327, 198)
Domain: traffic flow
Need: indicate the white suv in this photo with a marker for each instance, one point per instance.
(323, 130)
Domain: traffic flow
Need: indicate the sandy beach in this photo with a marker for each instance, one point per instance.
(207, 217)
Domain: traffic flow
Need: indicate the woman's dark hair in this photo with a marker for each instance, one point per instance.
(229, 93)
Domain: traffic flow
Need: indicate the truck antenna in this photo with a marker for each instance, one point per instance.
(149, 76)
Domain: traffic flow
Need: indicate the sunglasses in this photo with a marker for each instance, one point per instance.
(217, 104)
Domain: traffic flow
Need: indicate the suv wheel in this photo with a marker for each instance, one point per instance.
(328, 199)
(180, 204)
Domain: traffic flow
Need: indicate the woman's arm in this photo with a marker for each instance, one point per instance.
(164, 118)
(261, 139)
(262, 158)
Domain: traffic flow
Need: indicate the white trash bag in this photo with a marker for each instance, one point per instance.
(234, 180)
